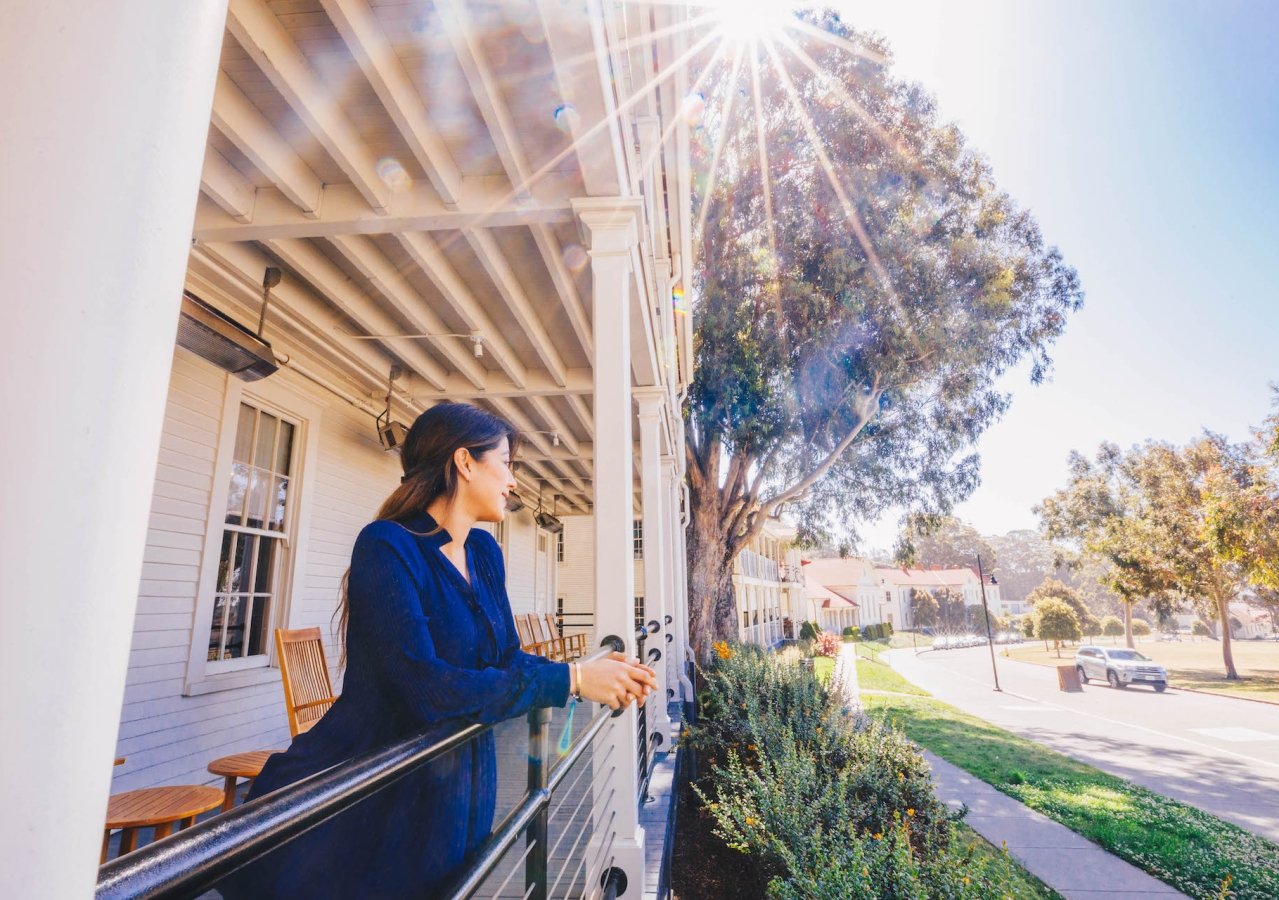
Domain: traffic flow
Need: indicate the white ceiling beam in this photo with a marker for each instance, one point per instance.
(555, 422)
(583, 413)
(381, 66)
(236, 117)
(226, 187)
(577, 79)
(505, 139)
(485, 200)
(512, 293)
(372, 263)
(453, 289)
(536, 384)
(269, 45)
(509, 410)
(332, 283)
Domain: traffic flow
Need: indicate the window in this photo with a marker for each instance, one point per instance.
(559, 546)
(637, 538)
(559, 615)
(259, 503)
(639, 611)
(499, 534)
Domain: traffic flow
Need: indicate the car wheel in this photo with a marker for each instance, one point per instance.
(1160, 688)
(1114, 680)
(1083, 676)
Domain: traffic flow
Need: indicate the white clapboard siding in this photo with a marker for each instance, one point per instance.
(577, 571)
(169, 738)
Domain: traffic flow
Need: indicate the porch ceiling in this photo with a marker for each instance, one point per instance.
(410, 165)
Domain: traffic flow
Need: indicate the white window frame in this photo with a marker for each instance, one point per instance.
(274, 397)
(637, 538)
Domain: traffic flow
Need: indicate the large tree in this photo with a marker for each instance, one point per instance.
(1058, 590)
(943, 541)
(861, 284)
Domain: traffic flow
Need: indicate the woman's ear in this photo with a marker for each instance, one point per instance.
(463, 462)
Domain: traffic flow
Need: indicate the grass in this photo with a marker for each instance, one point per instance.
(824, 668)
(1189, 849)
(1018, 882)
(873, 676)
(1192, 663)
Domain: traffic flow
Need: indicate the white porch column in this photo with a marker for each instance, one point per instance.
(657, 594)
(678, 563)
(106, 109)
(609, 229)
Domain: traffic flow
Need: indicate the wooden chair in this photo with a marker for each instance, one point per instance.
(525, 632)
(547, 636)
(236, 766)
(304, 673)
(574, 645)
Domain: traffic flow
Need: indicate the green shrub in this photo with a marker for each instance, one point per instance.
(1112, 626)
(1140, 627)
(849, 630)
(822, 804)
(1200, 627)
(809, 631)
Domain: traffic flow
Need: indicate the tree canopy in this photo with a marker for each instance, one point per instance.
(1055, 621)
(862, 283)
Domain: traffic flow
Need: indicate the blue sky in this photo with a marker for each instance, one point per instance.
(1145, 138)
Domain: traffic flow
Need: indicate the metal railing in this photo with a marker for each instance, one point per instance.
(192, 861)
(645, 742)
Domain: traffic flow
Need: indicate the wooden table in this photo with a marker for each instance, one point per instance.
(160, 807)
(238, 765)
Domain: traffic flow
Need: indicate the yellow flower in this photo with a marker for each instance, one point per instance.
(879, 835)
(967, 880)
(911, 811)
(722, 650)
(865, 872)
(901, 777)
(751, 820)
(751, 747)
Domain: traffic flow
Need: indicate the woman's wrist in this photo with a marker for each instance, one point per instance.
(575, 681)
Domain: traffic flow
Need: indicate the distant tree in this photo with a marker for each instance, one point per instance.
(1090, 625)
(1112, 626)
(1200, 627)
(1028, 626)
(1025, 559)
(977, 619)
(1055, 621)
(951, 615)
(924, 609)
(1141, 627)
(1051, 587)
(943, 541)
(859, 291)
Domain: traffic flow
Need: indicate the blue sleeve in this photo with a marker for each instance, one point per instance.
(384, 596)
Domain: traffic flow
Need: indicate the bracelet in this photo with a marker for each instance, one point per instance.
(575, 681)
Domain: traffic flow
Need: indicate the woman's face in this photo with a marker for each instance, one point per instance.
(491, 480)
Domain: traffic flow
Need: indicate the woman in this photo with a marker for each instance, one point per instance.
(429, 644)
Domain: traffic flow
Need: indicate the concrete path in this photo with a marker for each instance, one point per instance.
(1219, 754)
(1068, 863)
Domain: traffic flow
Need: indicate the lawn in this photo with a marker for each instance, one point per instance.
(876, 676)
(1189, 849)
(1191, 663)
(1019, 883)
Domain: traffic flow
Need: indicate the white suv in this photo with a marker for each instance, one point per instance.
(1119, 666)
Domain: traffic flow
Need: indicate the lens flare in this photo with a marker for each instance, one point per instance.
(566, 118)
(575, 257)
(393, 174)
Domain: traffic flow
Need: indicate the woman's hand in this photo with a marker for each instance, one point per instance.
(616, 681)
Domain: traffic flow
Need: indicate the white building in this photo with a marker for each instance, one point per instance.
(897, 584)
(448, 226)
(768, 585)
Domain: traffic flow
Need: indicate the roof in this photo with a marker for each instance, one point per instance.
(927, 577)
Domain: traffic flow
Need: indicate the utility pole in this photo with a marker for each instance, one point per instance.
(990, 640)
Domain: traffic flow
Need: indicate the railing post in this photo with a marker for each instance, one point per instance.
(539, 753)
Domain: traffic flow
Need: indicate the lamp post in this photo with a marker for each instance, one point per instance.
(990, 640)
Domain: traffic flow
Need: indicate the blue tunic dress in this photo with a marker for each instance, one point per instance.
(425, 649)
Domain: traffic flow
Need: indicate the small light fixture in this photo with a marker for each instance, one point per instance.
(555, 439)
(478, 341)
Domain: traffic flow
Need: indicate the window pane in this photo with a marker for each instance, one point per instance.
(215, 632)
(284, 450)
(234, 628)
(264, 452)
(259, 493)
(241, 562)
(244, 433)
(235, 493)
(224, 564)
(257, 624)
(279, 497)
(266, 557)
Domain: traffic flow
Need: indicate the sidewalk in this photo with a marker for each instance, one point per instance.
(1070, 864)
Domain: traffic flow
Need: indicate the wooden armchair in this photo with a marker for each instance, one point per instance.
(547, 637)
(304, 672)
(573, 645)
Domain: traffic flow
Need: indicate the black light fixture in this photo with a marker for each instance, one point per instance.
(390, 433)
(548, 521)
(514, 502)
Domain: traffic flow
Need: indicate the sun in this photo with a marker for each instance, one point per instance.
(746, 21)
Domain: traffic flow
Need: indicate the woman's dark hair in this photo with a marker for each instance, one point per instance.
(429, 471)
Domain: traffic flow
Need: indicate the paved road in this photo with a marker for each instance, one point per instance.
(1217, 753)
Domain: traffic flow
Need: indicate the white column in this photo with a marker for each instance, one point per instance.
(678, 602)
(105, 109)
(651, 403)
(609, 229)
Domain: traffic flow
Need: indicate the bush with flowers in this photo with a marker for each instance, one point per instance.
(822, 803)
(827, 644)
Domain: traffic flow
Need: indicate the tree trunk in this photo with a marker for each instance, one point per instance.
(1227, 652)
(712, 605)
(1128, 625)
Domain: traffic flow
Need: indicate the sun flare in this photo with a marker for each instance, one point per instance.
(745, 21)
